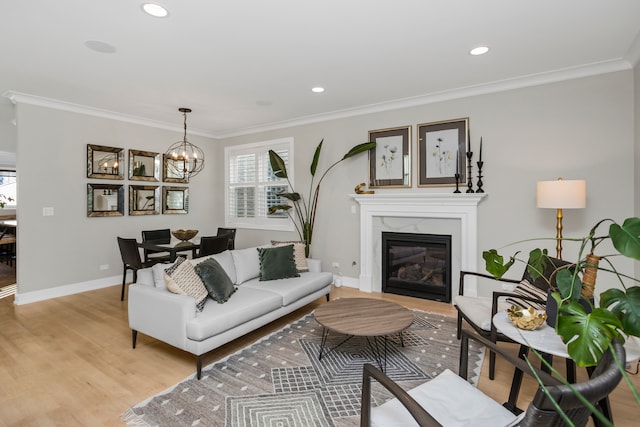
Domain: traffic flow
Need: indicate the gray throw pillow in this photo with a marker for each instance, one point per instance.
(216, 280)
(277, 263)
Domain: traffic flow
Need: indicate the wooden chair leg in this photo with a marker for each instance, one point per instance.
(492, 365)
(124, 282)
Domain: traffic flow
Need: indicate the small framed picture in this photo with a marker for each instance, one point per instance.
(390, 160)
(173, 170)
(144, 166)
(441, 152)
(105, 200)
(105, 162)
(175, 200)
(144, 200)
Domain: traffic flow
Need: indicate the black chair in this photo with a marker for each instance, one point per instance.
(478, 312)
(210, 245)
(7, 247)
(541, 411)
(131, 260)
(162, 236)
(231, 232)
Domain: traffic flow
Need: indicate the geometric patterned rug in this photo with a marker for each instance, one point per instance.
(279, 381)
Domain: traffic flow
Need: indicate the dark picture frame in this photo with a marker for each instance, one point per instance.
(105, 162)
(105, 200)
(175, 200)
(144, 200)
(144, 166)
(390, 160)
(442, 152)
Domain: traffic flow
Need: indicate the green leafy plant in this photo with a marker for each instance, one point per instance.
(305, 211)
(588, 332)
(4, 200)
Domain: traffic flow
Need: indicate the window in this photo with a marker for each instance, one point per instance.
(8, 187)
(251, 187)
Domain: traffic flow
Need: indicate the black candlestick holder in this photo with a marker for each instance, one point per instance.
(469, 177)
(480, 190)
(457, 175)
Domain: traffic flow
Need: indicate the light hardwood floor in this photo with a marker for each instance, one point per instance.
(69, 361)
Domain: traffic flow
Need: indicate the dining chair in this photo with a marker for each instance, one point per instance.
(438, 401)
(164, 236)
(210, 245)
(232, 236)
(131, 260)
(478, 311)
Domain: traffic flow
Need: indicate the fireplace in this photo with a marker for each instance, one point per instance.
(417, 265)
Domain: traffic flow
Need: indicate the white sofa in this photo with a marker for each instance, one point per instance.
(174, 319)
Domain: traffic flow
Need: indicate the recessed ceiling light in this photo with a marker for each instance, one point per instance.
(155, 10)
(99, 46)
(317, 89)
(480, 50)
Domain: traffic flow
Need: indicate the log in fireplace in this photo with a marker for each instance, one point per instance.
(417, 265)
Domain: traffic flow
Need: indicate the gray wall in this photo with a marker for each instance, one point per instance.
(578, 129)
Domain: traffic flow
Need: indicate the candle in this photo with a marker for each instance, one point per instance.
(457, 163)
(480, 158)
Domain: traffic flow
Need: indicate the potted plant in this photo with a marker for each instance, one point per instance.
(305, 211)
(588, 331)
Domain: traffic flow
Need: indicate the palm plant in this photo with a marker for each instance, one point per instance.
(305, 211)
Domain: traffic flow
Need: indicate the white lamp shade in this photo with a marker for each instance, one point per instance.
(562, 194)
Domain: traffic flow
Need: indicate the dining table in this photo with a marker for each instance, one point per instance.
(173, 246)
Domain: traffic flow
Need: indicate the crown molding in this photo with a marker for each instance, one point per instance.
(465, 92)
(40, 101)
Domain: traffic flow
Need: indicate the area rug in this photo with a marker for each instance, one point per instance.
(279, 380)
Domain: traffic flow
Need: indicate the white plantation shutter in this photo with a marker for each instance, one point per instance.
(251, 186)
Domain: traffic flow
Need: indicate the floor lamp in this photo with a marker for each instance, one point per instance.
(561, 194)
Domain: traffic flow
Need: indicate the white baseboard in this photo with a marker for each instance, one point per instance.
(349, 282)
(64, 290)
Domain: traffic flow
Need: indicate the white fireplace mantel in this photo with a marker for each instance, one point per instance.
(462, 207)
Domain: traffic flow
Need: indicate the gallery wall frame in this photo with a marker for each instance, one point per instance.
(172, 170)
(390, 160)
(105, 162)
(144, 166)
(175, 200)
(105, 200)
(442, 152)
(144, 200)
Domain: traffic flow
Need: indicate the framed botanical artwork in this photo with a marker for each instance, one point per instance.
(441, 152)
(105, 200)
(105, 162)
(144, 166)
(175, 200)
(173, 170)
(390, 160)
(144, 200)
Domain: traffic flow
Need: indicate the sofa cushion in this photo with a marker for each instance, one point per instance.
(294, 288)
(298, 253)
(246, 304)
(247, 264)
(277, 263)
(182, 279)
(224, 259)
(216, 280)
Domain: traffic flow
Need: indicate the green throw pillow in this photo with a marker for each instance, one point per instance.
(277, 263)
(216, 280)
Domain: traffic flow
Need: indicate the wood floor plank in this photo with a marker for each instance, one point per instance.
(69, 361)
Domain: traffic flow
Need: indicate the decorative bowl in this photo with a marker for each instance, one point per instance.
(526, 318)
(184, 235)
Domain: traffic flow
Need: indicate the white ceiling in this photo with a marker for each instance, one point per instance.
(246, 65)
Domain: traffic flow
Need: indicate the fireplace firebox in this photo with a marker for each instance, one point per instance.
(417, 265)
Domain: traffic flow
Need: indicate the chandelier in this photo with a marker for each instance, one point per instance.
(184, 160)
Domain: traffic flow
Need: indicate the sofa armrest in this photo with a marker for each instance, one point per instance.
(160, 314)
(315, 265)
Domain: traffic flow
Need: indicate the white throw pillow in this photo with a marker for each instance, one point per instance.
(225, 259)
(247, 264)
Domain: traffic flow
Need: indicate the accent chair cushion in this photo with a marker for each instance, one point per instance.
(298, 253)
(218, 284)
(277, 263)
(526, 289)
(441, 398)
(478, 309)
(182, 279)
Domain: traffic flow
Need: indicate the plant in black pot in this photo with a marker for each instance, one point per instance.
(588, 330)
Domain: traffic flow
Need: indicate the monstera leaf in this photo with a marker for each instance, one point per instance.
(587, 335)
(626, 237)
(494, 263)
(625, 306)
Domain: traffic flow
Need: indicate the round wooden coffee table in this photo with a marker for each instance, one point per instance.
(366, 317)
